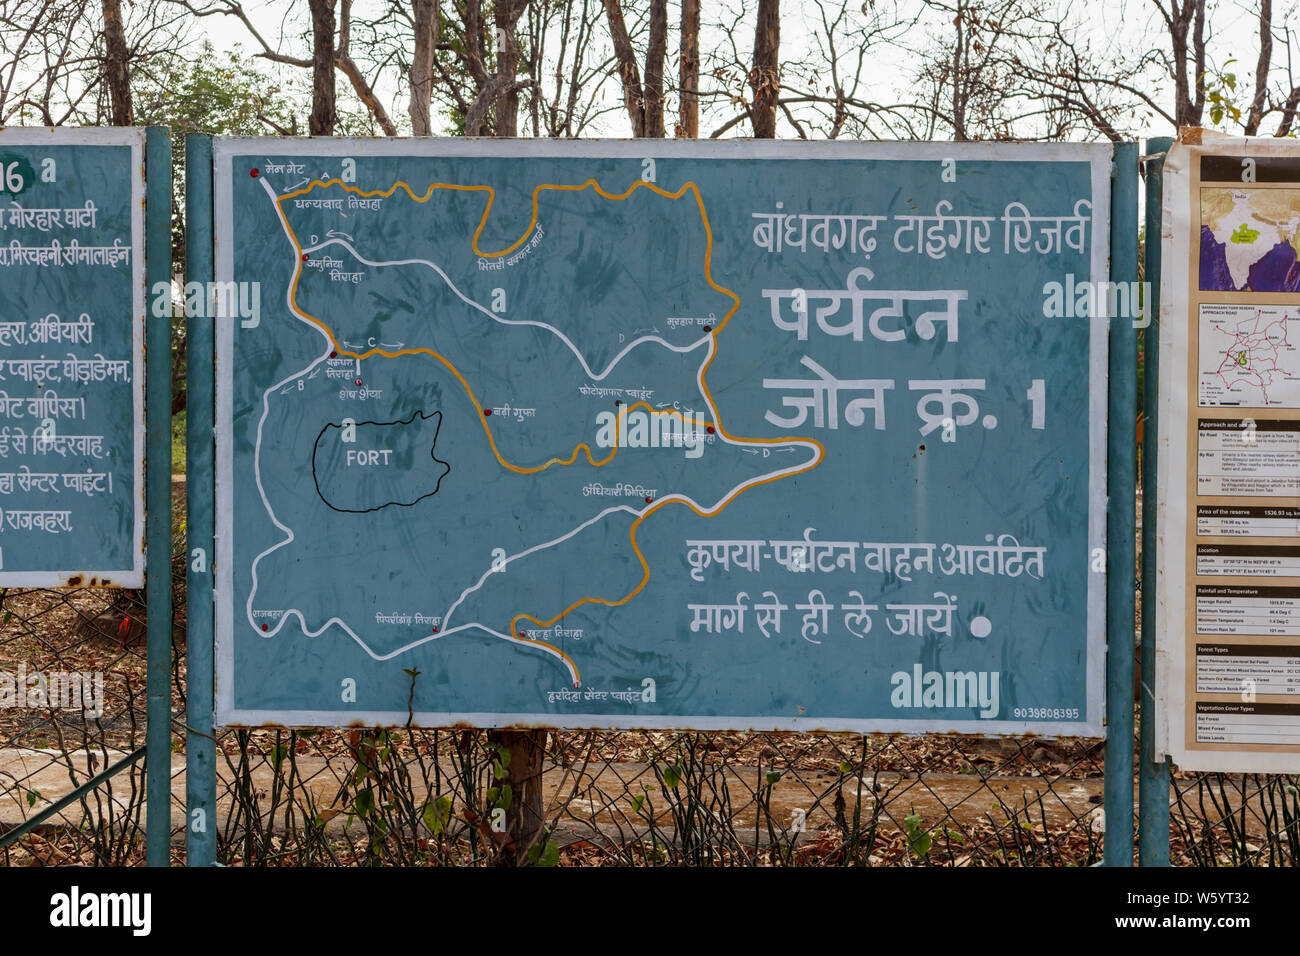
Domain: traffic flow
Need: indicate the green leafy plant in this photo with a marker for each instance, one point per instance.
(918, 838)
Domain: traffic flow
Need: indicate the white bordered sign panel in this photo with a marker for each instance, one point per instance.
(72, 315)
(680, 435)
(1228, 533)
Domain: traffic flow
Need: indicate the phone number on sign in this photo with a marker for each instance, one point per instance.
(1046, 713)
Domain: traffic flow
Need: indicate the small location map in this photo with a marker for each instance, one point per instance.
(566, 434)
(1250, 240)
(1248, 356)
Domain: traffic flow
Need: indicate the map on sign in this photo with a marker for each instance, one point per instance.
(592, 438)
(1248, 356)
(1250, 240)
(365, 467)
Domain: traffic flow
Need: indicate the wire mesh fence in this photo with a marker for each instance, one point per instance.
(408, 796)
(54, 741)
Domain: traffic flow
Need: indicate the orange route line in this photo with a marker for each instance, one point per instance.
(583, 447)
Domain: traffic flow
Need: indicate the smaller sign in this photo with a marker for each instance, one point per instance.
(72, 312)
(1228, 582)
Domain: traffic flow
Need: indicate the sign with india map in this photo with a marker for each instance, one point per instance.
(72, 313)
(654, 434)
(1228, 662)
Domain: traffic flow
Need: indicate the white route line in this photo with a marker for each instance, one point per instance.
(596, 376)
(289, 534)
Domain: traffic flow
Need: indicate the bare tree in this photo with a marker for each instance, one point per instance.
(1259, 101)
(323, 113)
(826, 83)
(348, 67)
(506, 13)
(424, 24)
(827, 90)
(644, 103)
(965, 68)
(688, 126)
(478, 71)
(568, 64)
(1290, 100)
(73, 61)
(331, 40)
(765, 77)
(116, 74)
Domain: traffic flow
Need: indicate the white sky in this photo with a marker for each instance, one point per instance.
(1113, 22)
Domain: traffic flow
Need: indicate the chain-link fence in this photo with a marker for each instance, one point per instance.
(410, 797)
(72, 678)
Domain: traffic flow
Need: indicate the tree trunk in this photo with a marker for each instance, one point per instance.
(524, 816)
(764, 77)
(421, 78)
(507, 13)
(323, 115)
(1260, 100)
(689, 125)
(527, 748)
(476, 115)
(656, 52)
(116, 73)
(633, 95)
(960, 81)
(343, 60)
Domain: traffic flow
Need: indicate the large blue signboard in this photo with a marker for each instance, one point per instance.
(72, 312)
(717, 435)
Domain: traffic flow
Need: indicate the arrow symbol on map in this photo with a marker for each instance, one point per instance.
(301, 182)
(314, 374)
(342, 235)
(750, 451)
(395, 345)
(663, 404)
(639, 331)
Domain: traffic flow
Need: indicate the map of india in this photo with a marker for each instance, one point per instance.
(1250, 240)
(588, 437)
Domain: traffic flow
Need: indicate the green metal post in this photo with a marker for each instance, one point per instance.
(1121, 531)
(1153, 777)
(200, 746)
(158, 498)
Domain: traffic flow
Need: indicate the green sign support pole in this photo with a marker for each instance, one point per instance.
(1121, 516)
(1153, 778)
(158, 497)
(200, 744)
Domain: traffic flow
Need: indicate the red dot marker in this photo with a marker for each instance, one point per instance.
(486, 412)
(264, 627)
(253, 172)
(648, 500)
(710, 429)
(577, 684)
(435, 630)
(708, 328)
(305, 257)
(358, 381)
(334, 355)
